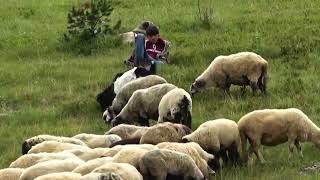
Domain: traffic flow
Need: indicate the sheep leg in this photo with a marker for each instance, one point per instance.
(234, 154)
(298, 146)
(254, 86)
(224, 156)
(255, 148)
(243, 90)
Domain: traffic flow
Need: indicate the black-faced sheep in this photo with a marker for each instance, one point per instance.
(47, 167)
(60, 176)
(176, 107)
(124, 170)
(27, 144)
(163, 132)
(127, 131)
(96, 141)
(244, 68)
(143, 105)
(54, 146)
(218, 137)
(106, 97)
(127, 90)
(159, 163)
(271, 127)
(10, 173)
(191, 149)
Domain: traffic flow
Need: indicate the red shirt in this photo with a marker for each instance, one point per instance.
(154, 49)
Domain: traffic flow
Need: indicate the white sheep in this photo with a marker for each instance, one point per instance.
(91, 165)
(143, 105)
(160, 163)
(52, 166)
(127, 131)
(88, 154)
(60, 176)
(10, 173)
(54, 146)
(27, 144)
(176, 107)
(28, 160)
(244, 68)
(114, 150)
(96, 141)
(127, 90)
(102, 176)
(271, 127)
(124, 170)
(218, 137)
(191, 149)
(130, 155)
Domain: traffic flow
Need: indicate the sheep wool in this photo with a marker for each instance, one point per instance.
(97, 141)
(60, 176)
(129, 155)
(90, 165)
(54, 146)
(125, 171)
(10, 173)
(126, 131)
(88, 154)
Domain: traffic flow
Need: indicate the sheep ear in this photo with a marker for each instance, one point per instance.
(184, 140)
(200, 83)
(210, 171)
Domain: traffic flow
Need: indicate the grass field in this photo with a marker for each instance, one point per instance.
(44, 89)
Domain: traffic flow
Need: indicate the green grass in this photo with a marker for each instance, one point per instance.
(47, 90)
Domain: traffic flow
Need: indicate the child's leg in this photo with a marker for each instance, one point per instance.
(139, 49)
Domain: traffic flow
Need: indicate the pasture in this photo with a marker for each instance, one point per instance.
(47, 90)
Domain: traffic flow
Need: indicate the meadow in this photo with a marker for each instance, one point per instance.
(45, 89)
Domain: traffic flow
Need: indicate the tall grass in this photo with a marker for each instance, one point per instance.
(45, 90)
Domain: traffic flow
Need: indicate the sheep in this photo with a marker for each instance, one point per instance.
(244, 68)
(271, 127)
(106, 97)
(127, 90)
(91, 165)
(143, 105)
(161, 162)
(60, 176)
(127, 131)
(117, 148)
(27, 144)
(130, 155)
(101, 176)
(54, 146)
(88, 154)
(28, 160)
(191, 149)
(125, 171)
(96, 141)
(47, 167)
(218, 137)
(176, 107)
(159, 133)
(10, 173)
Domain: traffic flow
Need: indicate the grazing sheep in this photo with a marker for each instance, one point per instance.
(60, 176)
(28, 160)
(89, 166)
(130, 155)
(114, 150)
(125, 171)
(271, 127)
(158, 133)
(10, 173)
(27, 144)
(176, 107)
(88, 154)
(127, 131)
(96, 141)
(143, 105)
(127, 90)
(159, 163)
(191, 149)
(54, 146)
(218, 137)
(106, 97)
(47, 167)
(244, 68)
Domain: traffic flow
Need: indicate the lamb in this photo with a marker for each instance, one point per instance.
(143, 105)
(191, 149)
(54, 146)
(127, 90)
(96, 141)
(27, 144)
(218, 137)
(28, 160)
(10, 173)
(271, 127)
(244, 68)
(91, 165)
(176, 107)
(60, 176)
(127, 131)
(159, 163)
(159, 133)
(52, 166)
(106, 97)
(125, 171)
